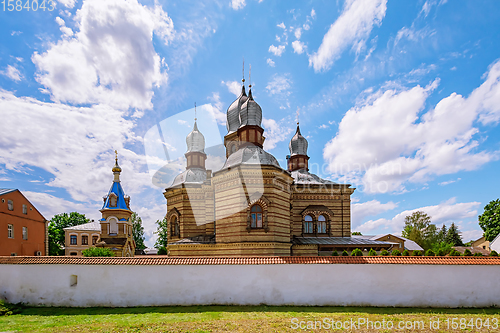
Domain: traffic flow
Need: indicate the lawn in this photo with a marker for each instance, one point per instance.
(247, 319)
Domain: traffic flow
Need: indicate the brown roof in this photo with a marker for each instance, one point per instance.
(164, 260)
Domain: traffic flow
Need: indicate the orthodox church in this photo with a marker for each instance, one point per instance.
(251, 206)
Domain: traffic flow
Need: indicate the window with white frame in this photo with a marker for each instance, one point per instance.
(25, 233)
(321, 224)
(25, 209)
(10, 231)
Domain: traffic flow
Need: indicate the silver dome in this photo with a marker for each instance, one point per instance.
(250, 155)
(195, 140)
(189, 176)
(298, 144)
(303, 176)
(233, 112)
(251, 112)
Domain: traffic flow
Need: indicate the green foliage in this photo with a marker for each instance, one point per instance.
(335, 253)
(454, 253)
(416, 253)
(419, 229)
(405, 253)
(98, 252)
(7, 309)
(372, 253)
(442, 248)
(356, 233)
(395, 253)
(162, 232)
(453, 236)
(493, 253)
(489, 221)
(138, 231)
(478, 254)
(56, 230)
(384, 253)
(429, 253)
(356, 253)
(345, 253)
(162, 251)
(467, 253)
(441, 235)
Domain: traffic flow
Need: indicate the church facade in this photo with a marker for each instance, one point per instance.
(252, 206)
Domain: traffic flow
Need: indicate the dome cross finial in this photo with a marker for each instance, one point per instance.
(243, 72)
(298, 114)
(195, 112)
(250, 76)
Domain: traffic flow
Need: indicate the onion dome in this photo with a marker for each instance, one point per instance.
(233, 112)
(195, 140)
(251, 112)
(298, 144)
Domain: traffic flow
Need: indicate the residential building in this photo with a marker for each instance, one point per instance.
(23, 229)
(482, 243)
(81, 237)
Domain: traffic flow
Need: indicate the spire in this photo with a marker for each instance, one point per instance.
(298, 144)
(116, 169)
(195, 113)
(195, 141)
(250, 82)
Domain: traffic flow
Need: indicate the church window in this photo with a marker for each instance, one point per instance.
(256, 216)
(85, 240)
(321, 224)
(175, 226)
(72, 240)
(308, 224)
(113, 226)
(112, 200)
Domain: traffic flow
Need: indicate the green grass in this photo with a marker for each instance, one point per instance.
(220, 318)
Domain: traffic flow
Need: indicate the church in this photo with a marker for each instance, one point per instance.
(252, 206)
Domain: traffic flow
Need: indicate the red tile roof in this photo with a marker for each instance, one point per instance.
(164, 260)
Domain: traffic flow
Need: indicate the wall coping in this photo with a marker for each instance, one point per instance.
(164, 260)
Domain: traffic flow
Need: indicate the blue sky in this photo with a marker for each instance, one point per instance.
(399, 98)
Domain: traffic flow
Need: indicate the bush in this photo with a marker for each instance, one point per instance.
(441, 252)
(345, 253)
(467, 253)
(162, 251)
(454, 253)
(493, 253)
(384, 253)
(478, 254)
(372, 253)
(98, 252)
(357, 253)
(335, 253)
(416, 253)
(395, 253)
(429, 253)
(405, 253)
(7, 309)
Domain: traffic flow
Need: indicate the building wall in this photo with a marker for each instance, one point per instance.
(280, 284)
(33, 220)
(79, 247)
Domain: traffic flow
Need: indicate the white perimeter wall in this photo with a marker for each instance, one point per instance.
(309, 284)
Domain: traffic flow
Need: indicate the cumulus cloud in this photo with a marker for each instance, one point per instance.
(62, 26)
(237, 4)
(12, 73)
(443, 213)
(270, 62)
(67, 3)
(274, 132)
(215, 108)
(281, 25)
(234, 87)
(111, 59)
(370, 208)
(279, 84)
(298, 47)
(277, 50)
(352, 28)
(438, 142)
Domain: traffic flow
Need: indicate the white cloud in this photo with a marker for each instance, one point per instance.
(64, 29)
(277, 50)
(298, 33)
(370, 208)
(279, 84)
(274, 132)
(313, 13)
(237, 4)
(182, 122)
(298, 47)
(281, 25)
(438, 142)
(12, 73)
(270, 62)
(324, 126)
(353, 27)
(449, 182)
(445, 212)
(67, 3)
(215, 108)
(100, 64)
(234, 87)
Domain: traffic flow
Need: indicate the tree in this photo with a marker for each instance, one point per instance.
(489, 221)
(138, 231)
(98, 252)
(418, 228)
(442, 248)
(356, 253)
(356, 233)
(372, 253)
(395, 252)
(56, 230)
(162, 232)
(441, 235)
(453, 236)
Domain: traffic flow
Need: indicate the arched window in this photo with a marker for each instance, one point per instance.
(256, 216)
(113, 225)
(321, 224)
(72, 240)
(308, 224)
(175, 226)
